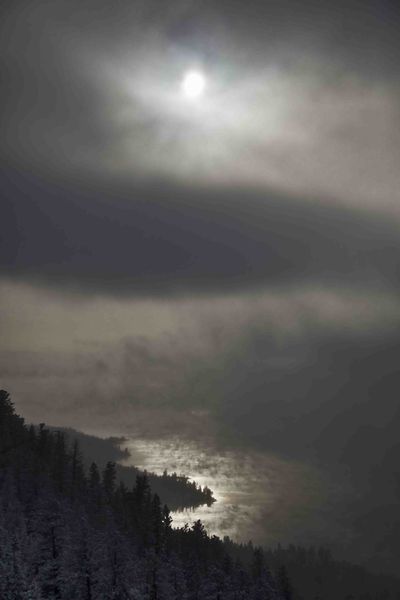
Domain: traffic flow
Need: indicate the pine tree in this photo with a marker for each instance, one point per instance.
(284, 583)
(109, 477)
(95, 489)
(60, 460)
(156, 523)
(77, 478)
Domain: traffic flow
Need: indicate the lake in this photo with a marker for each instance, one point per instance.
(259, 496)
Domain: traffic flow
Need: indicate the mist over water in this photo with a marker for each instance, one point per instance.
(259, 496)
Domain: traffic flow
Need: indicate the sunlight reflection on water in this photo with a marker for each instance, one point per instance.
(248, 487)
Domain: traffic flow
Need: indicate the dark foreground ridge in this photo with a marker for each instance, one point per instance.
(69, 534)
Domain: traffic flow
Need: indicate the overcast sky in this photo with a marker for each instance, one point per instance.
(227, 265)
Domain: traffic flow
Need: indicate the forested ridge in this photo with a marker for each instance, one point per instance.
(67, 532)
(175, 489)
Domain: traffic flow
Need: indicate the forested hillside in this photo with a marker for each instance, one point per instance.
(67, 533)
(175, 489)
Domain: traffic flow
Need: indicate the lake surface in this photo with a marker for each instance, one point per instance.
(258, 496)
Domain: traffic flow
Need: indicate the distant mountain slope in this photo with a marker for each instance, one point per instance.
(175, 490)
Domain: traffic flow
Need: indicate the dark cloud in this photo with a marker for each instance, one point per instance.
(108, 186)
(361, 33)
(166, 239)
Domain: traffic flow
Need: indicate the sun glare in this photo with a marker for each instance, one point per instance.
(193, 84)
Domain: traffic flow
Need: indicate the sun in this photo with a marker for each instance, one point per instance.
(193, 84)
